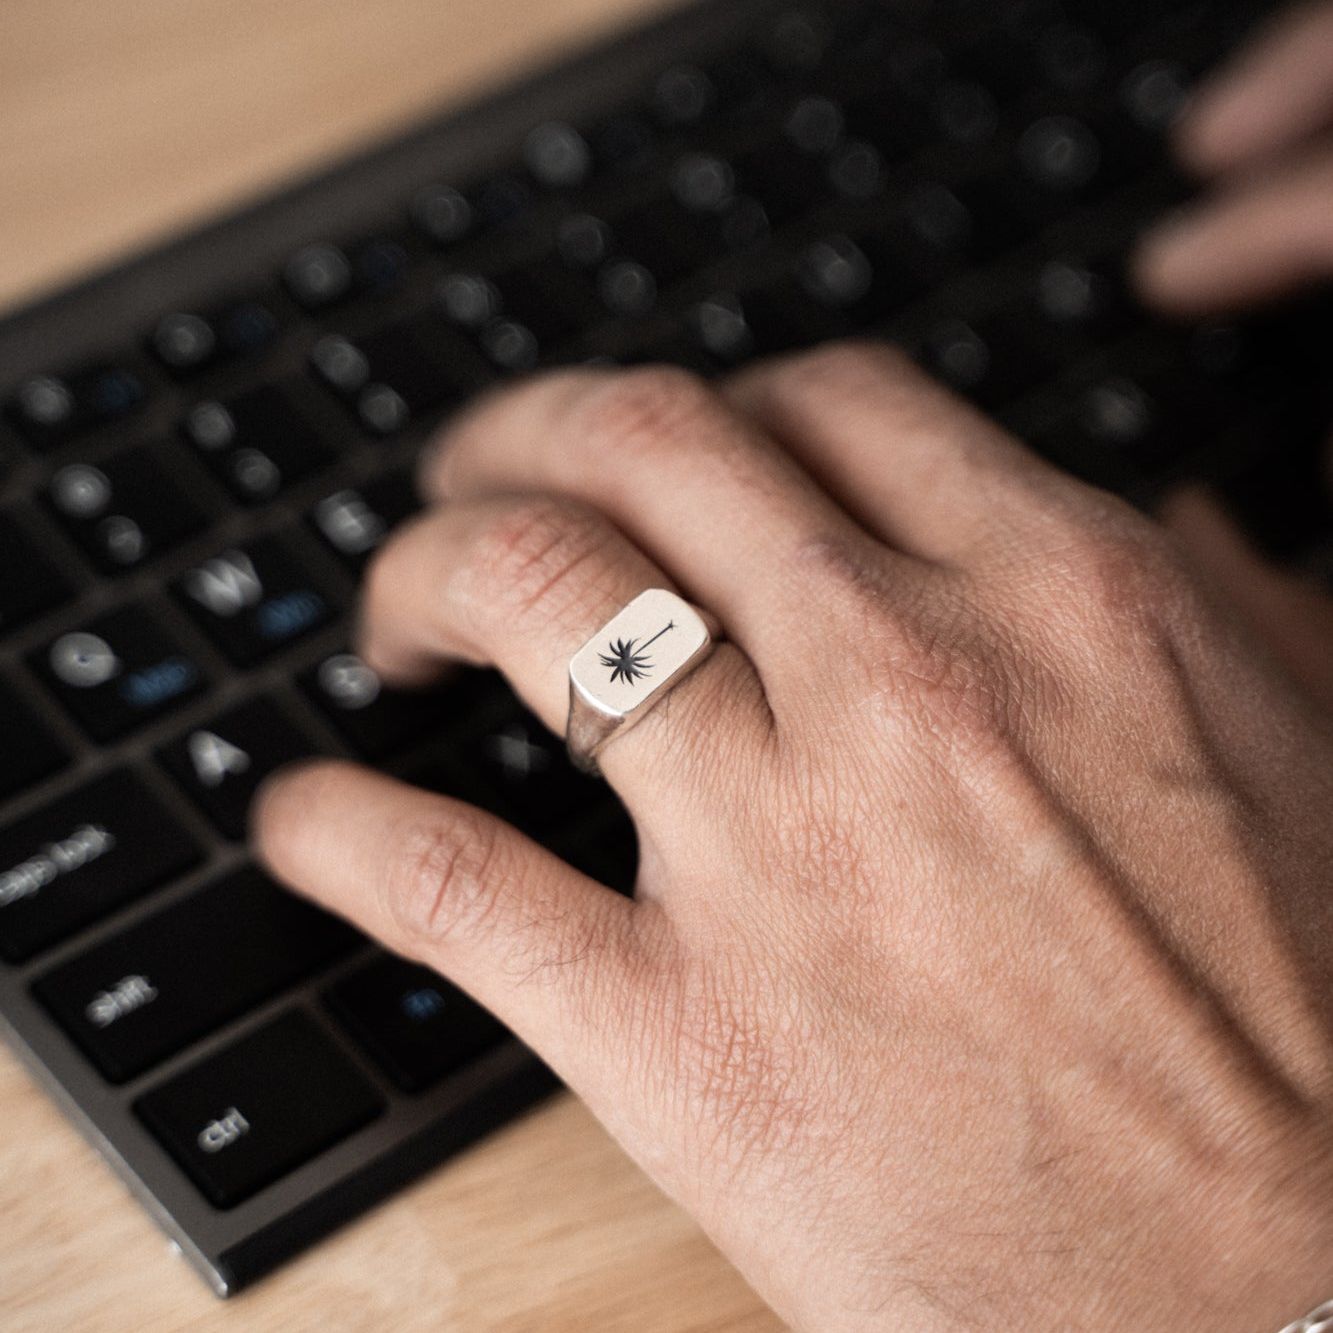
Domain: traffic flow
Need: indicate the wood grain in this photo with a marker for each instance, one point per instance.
(120, 122)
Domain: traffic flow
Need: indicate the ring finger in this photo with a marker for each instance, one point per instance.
(521, 582)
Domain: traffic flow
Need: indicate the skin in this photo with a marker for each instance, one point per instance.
(977, 971)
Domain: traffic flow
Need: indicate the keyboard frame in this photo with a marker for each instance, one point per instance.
(241, 249)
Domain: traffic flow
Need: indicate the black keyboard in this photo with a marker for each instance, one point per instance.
(200, 451)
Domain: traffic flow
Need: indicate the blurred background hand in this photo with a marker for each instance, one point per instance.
(1261, 136)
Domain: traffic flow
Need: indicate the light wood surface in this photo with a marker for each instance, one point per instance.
(121, 120)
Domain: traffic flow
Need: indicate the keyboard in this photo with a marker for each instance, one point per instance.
(200, 451)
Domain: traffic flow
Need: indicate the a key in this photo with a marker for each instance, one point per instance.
(28, 750)
(147, 992)
(48, 409)
(222, 762)
(123, 510)
(75, 860)
(118, 671)
(259, 1108)
(29, 582)
(376, 721)
(355, 521)
(257, 443)
(413, 1023)
(254, 600)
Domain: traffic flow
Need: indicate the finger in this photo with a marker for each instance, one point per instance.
(1269, 237)
(1277, 91)
(522, 582)
(1293, 618)
(915, 464)
(547, 950)
(726, 514)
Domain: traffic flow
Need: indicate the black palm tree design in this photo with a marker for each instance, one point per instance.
(627, 663)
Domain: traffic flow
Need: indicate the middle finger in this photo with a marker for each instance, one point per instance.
(700, 489)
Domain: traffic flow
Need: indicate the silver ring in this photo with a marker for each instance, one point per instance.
(631, 663)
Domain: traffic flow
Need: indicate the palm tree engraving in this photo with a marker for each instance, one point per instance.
(628, 663)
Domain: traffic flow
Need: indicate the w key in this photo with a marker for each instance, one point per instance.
(144, 994)
(254, 600)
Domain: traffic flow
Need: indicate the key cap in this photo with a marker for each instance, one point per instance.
(187, 343)
(254, 600)
(147, 992)
(75, 860)
(29, 582)
(412, 1023)
(516, 768)
(318, 276)
(376, 721)
(221, 763)
(356, 520)
(124, 510)
(402, 372)
(258, 1109)
(118, 671)
(257, 443)
(48, 409)
(28, 750)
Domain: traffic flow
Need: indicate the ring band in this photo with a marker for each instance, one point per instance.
(632, 662)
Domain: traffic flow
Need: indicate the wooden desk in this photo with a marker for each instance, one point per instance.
(118, 123)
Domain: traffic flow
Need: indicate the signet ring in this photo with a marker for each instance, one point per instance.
(631, 663)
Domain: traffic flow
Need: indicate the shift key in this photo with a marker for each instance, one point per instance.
(76, 859)
(177, 975)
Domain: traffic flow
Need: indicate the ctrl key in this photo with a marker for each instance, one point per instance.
(262, 1107)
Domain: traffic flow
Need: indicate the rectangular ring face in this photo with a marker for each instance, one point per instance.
(638, 653)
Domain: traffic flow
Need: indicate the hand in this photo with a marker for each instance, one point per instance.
(1262, 133)
(978, 969)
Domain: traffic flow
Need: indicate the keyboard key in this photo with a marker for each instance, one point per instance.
(175, 976)
(186, 343)
(75, 860)
(118, 671)
(375, 720)
(28, 750)
(514, 767)
(257, 443)
(413, 1023)
(48, 409)
(124, 510)
(356, 520)
(222, 763)
(255, 600)
(318, 276)
(29, 582)
(402, 372)
(265, 1105)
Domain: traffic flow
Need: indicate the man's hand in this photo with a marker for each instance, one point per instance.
(977, 974)
(1262, 133)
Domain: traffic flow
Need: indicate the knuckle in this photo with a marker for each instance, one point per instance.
(649, 410)
(852, 362)
(443, 878)
(523, 557)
